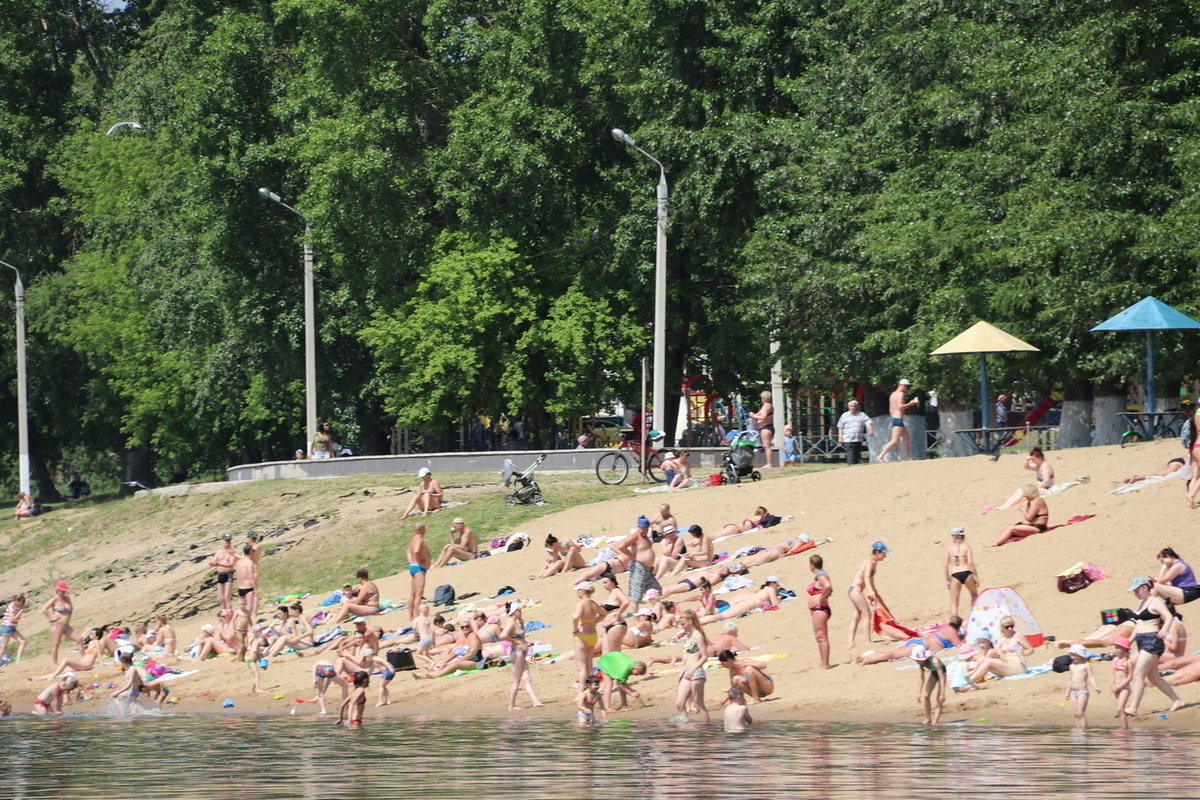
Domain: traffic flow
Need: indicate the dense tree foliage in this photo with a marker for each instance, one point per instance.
(858, 180)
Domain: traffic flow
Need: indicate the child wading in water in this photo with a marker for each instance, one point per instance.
(1080, 674)
(933, 676)
(589, 699)
(356, 700)
(737, 713)
(1121, 677)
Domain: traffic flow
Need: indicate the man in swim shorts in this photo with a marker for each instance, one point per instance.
(246, 573)
(638, 548)
(418, 564)
(224, 560)
(896, 408)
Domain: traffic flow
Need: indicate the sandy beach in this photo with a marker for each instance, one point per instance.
(910, 506)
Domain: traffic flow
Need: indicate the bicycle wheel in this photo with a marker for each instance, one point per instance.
(1130, 437)
(612, 468)
(654, 468)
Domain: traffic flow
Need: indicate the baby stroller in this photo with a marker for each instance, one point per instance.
(527, 491)
(738, 461)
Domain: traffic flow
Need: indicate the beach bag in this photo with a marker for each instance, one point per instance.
(516, 543)
(1070, 584)
(1061, 664)
(1115, 616)
(769, 521)
(715, 480)
(443, 595)
(401, 660)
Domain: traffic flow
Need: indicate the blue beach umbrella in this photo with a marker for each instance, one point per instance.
(1149, 315)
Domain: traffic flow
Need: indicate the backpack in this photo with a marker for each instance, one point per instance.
(1061, 664)
(715, 480)
(443, 595)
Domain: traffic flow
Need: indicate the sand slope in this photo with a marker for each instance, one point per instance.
(910, 506)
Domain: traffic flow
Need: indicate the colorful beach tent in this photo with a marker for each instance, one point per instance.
(1149, 315)
(983, 338)
(994, 604)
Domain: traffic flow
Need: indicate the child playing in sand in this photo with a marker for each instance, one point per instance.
(355, 701)
(933, 676)
(1080, 674)
(737, 713)
(588, 700)
(1121, 677)
(50, 701)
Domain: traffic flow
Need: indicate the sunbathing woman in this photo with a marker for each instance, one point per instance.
(713, 576)
(1036, 517)
(769, 554)
(1036, 463)
(614, 565)
(1008, 655)
(960, 569)
(93, 649)
(364, 602)
(699, 553)
(641, 632)
(295, 631)
(1170, 468)
(938, 639)
(562, 558)
(727, 640)
(765, 598)
(748, 524)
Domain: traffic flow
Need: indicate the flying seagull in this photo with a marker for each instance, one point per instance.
(137, 126)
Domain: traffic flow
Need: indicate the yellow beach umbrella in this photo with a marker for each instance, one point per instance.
(983, 338)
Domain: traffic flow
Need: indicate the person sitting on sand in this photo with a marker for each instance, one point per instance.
(363, 602)
(1036, 463)
(672, 550)
(1035, 517)
(354, 654)
(699, 554)
(747, 674)
(641, 632)
(941, 637)
(1176, 583)
(93, 650)
(464, 544)
(295, 631)
(466, 656)
(663, 519)
(167, 638)
(727, 640)
(766, 598)
(748, 524)
(1008, 655)
(713, 576)
(683, 471)
(50, 701)
(564, 557)
(427, 497)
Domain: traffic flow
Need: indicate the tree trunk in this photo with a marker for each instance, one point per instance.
(954, 417)
(137, 464)
(1110, 401)
(1075, 429)
(47, 491)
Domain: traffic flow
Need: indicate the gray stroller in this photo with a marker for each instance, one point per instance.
(738, 461)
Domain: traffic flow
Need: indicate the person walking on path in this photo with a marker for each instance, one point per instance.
(853, 427)
(896, 408)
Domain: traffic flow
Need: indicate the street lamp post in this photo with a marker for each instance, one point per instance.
(310, 332)
(660, 288)
(22, 387)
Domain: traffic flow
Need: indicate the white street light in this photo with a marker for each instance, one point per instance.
(310, 332)
(660, 287)
(22, 387)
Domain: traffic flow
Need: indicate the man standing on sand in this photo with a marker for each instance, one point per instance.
(418, 564)
(853, 428)
(896, 407)
(246, 572)
(640, 550)
(224, 560)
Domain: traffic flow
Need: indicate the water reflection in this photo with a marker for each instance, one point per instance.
(205, 757)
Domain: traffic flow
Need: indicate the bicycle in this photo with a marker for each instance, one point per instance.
(613, 468)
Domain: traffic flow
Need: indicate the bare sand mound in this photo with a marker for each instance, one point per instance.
(910, 506)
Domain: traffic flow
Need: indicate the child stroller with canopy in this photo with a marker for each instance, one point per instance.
(527, 491)
(738, 460)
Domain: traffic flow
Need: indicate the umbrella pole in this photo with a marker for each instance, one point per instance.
(1150, 371)
(983, 392)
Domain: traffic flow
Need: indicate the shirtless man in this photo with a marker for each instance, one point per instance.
(863, 591)
(896, 408)
(427, 496)
(463, 544)
(224, 560)
(418, 565)
(640, 550)
(663, 519)
(364, 601)
(255, 547)
(246, 573)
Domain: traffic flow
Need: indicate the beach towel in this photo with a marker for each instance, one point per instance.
(1071, 521)
(881, 617)
(1150, 480)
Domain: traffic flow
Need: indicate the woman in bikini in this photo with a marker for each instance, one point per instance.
(513, 632)
(960, 569)
(58, 609)
(50, 701)
(819, 592)
(583, 628)
(769, 554)
(615, 604)
(641, 632)
(562, 558)
(364, 602)
(167, 639)
(713, 576)
(862, 593)
(92, 651)
(748, 524)
(939, 638)
(356, 701)
(690, 696)
(615, 565)
(1008, 654)
(766, 597)
(1036, 463)
(1036, 516)
(295, 631)
(699, 553)
(1152, 622)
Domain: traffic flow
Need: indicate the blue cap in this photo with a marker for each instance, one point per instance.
(643, 522)
(1138, 581)
(881, 547)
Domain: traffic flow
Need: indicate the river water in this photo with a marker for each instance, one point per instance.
(251, 757)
